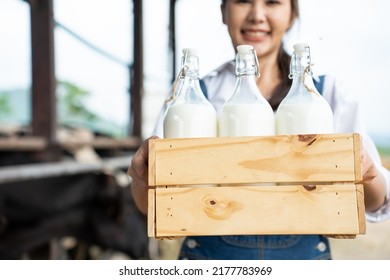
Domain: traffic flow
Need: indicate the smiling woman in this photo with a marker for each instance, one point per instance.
(347, 60)
(263, 24)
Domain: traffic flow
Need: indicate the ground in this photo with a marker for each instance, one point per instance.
(371, 246)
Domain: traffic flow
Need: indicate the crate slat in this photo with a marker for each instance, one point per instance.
(151, 212)
(325, 209)
(322, 158)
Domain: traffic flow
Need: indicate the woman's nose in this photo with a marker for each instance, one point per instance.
(257, 12)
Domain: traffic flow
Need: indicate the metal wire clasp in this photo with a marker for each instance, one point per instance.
(257, 73)
(173, 93)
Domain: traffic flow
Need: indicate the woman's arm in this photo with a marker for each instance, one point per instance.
(374, 182)
(348, 119)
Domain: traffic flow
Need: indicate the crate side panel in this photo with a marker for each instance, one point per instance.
(284, 159)
(324, 209)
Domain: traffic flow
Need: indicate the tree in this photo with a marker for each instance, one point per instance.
(72, 98)
(5, 108)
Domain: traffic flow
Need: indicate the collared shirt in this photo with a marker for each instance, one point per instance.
(346, 111)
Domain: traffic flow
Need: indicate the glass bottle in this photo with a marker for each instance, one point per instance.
(246, 112)
(303, 110)
(190, 114)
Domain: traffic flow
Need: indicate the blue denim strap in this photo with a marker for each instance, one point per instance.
(319, 84)
(203, 88)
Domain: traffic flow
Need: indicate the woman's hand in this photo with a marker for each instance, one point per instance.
(374, 183)
(138, 171)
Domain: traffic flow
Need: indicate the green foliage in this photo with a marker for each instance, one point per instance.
(384, 150)
(15, 107)
(72, 111)
(5, 108)
(73, 97)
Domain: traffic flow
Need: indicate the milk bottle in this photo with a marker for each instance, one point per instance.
(303, 110)
(190, 114)
(247, 112)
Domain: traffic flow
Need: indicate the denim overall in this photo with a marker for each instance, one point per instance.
(255, 247)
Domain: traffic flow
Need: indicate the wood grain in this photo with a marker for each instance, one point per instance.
(326, 209)
(238, 160)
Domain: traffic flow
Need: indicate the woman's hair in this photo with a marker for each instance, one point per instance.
(282, 89)
(283, 63)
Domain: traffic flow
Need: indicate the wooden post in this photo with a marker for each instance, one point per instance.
(137, 72)
(44, 119)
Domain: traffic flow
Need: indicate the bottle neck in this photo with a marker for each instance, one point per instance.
(190, 75)
(300, 64)
(188, 78)
(247, 65)
(301, 73)
(246, 90)
(190, 66)
(190, 91)
(247, 71)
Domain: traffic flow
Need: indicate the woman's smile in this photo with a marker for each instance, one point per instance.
(254, 35)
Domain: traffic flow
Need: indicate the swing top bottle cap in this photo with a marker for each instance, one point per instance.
(242, 49)
(300, 47)
(192, 51)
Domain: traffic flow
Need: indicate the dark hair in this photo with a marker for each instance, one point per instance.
(282, 89)
(283, 63)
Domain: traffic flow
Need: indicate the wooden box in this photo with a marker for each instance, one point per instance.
(297, 184)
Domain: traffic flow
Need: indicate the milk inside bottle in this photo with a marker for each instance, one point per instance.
(190, 115)
(246, 112)
(303, 110)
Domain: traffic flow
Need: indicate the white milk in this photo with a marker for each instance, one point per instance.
(246, 120)
(310, 118)
(190, 121)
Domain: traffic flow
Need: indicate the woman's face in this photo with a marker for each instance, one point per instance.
(260, 23)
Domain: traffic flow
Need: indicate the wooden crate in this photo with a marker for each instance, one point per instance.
(297, 184)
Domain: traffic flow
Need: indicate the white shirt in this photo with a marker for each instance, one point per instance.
(346, 111)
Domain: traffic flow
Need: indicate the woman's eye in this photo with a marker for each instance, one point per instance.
(272, 2)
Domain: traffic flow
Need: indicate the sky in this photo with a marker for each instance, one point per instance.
(349, 39)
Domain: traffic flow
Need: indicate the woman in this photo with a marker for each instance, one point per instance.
(263, 24)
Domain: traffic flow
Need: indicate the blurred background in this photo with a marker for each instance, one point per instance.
(82, 83)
